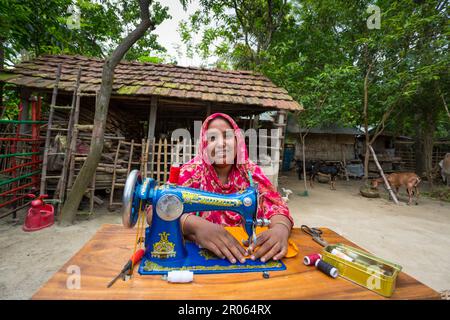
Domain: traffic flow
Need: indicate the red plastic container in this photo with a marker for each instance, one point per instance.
(174, 173)
(40, 215)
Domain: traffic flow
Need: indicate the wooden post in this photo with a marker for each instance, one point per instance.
(279, 148)
(208, 109)
(255, 122)
(388, 186)
(151, 129)
(152, 118)
(344, 161)
(25, 95)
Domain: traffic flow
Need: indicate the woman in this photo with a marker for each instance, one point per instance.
(222, 166)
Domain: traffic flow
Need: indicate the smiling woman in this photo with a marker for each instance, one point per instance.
(222, 165)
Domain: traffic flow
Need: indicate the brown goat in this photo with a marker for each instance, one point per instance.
(409, 180)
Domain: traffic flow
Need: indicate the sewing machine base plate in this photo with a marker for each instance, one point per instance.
(202, 261)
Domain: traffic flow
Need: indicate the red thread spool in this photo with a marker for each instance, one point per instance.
(174, 174)
(311, 259)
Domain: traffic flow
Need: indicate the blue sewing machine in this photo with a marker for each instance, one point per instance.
(165, 247)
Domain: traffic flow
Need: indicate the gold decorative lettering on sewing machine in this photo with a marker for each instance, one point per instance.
(208, 255)
(144, 187)
(191, 197)
(163, 249)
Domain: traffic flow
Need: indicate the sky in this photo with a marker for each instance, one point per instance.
(168, 35)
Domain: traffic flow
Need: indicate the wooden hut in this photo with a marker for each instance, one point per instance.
(330, 143)
(148, 102)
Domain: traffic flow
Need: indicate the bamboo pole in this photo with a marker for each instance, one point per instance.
(386, 182)
(158, 161)
(111, 195)
(152, 161)
(147, 146)
(165, 160)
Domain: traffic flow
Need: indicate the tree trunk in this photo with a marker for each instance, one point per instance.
(428, 155)
(424, 143)
(302, 138)
(366, 122)
(101, 111)
(366, 161)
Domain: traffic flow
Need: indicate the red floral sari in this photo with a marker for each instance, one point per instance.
(200, 174)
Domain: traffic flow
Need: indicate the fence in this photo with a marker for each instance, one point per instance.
(19, 159)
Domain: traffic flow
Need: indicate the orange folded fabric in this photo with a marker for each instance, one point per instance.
(239, 234)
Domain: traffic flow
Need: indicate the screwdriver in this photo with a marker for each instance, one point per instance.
(135, 258)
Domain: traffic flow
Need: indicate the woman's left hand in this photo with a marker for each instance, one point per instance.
(272, 243)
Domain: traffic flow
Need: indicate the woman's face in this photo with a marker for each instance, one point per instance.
(221, 142)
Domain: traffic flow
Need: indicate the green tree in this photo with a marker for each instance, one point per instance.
(52, 26)
(327, 57)
(150, 17)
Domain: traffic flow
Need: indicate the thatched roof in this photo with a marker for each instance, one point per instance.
(149, 79)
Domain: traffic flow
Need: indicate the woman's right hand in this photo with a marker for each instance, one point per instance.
(215, 238)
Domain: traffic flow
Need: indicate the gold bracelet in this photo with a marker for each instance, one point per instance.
(183, 222)
(289, 227)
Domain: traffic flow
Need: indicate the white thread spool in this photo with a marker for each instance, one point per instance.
(341, 255)
(180, 276)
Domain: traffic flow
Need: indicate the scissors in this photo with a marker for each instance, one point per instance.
(316, 234)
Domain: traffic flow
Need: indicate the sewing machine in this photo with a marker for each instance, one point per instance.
(165, 247)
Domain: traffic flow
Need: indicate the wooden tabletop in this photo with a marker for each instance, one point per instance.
(105, 254)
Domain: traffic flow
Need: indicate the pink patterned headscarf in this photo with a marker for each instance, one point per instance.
(199, 173)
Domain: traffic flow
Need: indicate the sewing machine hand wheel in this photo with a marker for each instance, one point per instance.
(130, 202)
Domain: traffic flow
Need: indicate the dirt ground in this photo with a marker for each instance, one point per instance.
(416, 237)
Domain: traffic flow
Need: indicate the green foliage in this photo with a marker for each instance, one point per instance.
(38, 27)
(10, 102)
(320, 51)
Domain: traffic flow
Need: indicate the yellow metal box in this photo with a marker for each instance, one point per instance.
(363, 268)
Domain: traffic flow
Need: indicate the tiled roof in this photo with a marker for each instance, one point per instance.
(143, 79)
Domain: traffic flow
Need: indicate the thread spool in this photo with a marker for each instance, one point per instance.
(174, 173)
(311, 259)
(180, 276)
(327, 268)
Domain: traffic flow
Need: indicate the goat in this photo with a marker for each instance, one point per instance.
(409, 180)
(320, 167)
(445, 169)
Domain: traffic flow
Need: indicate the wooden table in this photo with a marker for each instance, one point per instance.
(104, 255)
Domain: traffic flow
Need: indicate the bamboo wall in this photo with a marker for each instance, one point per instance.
(328, 147)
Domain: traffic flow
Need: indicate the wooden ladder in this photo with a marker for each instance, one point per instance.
(58, 198)
(120, 185)
(48, 133)
(75, 158)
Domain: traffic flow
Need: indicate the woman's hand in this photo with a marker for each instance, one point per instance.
(215, 238)
(272, 243)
